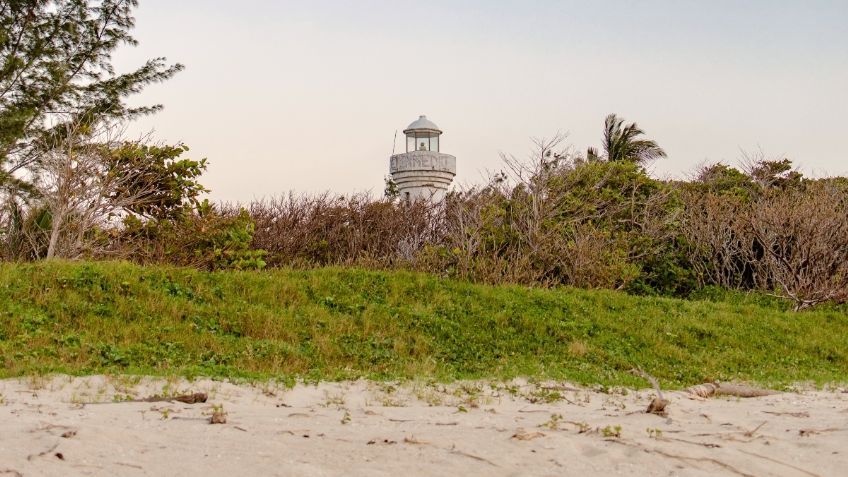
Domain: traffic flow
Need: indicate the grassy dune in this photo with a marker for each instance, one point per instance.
(335, 323)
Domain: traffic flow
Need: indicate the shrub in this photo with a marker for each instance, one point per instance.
(324, 229)
(203, 238)
(804, 237)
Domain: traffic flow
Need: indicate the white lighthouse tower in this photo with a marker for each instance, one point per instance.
(422, 172)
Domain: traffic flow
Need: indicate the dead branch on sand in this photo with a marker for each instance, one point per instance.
(707, 390)
(193, 398)
(659, 403)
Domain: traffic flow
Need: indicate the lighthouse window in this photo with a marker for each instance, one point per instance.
(422, 142)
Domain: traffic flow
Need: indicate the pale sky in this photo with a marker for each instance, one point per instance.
(307, 95)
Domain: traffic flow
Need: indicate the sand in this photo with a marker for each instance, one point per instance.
(73, 426)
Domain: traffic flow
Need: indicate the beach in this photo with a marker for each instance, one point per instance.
(98, 425)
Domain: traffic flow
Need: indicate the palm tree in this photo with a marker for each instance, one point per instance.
(621, 143)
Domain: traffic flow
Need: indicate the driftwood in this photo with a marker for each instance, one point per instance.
(743, 391)
(702, 390)
(657, 406)
(720, 389)
(523, 435)
(659, 403)
(194, 398)
(218, 417)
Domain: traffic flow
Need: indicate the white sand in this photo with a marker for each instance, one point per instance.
(375, 429)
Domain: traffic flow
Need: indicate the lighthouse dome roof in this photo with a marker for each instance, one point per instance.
(422, 124)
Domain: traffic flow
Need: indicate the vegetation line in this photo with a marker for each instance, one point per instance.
(338, 323)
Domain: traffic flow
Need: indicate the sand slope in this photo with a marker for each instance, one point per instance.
(51, 427)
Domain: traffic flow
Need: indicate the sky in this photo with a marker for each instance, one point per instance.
(306, 96)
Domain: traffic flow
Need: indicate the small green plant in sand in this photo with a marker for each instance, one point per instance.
(553, 423)
(545, 396)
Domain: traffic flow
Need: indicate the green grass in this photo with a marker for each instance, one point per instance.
(335, 323)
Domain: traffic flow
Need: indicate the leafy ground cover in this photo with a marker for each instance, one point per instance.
(337, 323)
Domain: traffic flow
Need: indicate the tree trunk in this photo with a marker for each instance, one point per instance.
(55, 229)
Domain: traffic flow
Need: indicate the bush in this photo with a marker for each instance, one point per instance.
(203, 238)
(557, 219)
(804, 237)
(325, 229)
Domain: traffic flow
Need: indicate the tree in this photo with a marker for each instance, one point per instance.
(56, 70)
(391, 190)
(622, 143)
(93, 179)
(164, 185)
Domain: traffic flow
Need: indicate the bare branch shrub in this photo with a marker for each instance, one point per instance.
(720, 243)
(478, 242)
(81, 189)
(326, 229)
(804, 234)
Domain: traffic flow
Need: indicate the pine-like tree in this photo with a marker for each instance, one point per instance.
(57, 69)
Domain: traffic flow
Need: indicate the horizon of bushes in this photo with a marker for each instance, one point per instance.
(552, 220)
(589, 223)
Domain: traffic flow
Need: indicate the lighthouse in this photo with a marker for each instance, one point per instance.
(422, 172)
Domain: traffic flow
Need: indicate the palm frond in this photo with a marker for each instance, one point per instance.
(622, 143)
